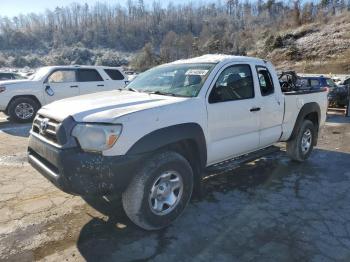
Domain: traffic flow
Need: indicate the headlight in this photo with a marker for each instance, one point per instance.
(2, 89)
(95, 137)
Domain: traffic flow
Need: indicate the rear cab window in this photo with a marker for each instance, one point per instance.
(114, 74)
(265, 81)
(88, 75)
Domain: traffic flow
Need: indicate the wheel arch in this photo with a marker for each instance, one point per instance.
(23, 96)
(186, 139)
(310, 111)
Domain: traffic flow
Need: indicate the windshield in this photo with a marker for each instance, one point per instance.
(38, 75)
(178, 80)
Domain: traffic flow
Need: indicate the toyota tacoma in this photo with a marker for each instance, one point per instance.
(155, 140)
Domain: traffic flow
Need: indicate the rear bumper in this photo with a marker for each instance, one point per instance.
(81, 173)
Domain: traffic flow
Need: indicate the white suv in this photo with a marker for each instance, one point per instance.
(21, 99)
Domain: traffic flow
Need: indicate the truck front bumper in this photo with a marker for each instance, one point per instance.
(81, 173)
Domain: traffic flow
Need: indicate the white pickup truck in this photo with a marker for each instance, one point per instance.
(21, 99)
(156, 139)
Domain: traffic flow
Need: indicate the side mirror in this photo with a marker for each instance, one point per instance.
(49, 91)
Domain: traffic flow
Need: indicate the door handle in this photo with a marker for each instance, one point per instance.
(100, 85)
(73, 86)
(254, 109)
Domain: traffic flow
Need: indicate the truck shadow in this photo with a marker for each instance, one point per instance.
(15, 129)
(22, 131)
(338, 118)
(225, 198)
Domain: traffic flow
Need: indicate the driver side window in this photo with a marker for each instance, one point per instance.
(62, 76)
(234, 83)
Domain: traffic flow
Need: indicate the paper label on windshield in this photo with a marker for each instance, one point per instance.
(197, 72)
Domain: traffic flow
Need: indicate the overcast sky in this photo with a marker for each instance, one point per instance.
(15, 7)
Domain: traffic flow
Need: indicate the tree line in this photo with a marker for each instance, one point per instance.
(162, 33)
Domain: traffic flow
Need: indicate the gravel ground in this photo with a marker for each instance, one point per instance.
(268, 210)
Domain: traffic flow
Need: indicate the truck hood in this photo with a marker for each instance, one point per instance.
(105, 107)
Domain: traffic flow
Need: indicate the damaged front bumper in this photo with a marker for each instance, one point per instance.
(81, 173)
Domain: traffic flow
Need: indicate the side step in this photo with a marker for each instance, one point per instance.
(234, 163)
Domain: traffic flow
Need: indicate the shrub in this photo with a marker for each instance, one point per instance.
(110, 58)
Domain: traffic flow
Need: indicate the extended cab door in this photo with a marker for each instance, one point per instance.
(272, 107)
(233, 124)
(61, 83)
(90, 81)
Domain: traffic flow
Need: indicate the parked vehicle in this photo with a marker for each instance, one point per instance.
(346, 82)
(317, 82)
(338, 96)
(131, 74)
(10, 76)
(154, 141)
(20, 99)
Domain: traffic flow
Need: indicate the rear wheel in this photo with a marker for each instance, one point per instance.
(23, 109)
(159, 192)
(300, 147)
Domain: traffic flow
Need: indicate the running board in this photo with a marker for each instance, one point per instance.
(236, 162)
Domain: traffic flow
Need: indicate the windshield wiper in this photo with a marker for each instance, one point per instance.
(164, 93)
(128, 89)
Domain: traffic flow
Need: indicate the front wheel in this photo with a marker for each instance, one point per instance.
(159, 192)
(23, 109)
(301, 145)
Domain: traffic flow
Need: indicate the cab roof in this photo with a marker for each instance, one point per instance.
(82, 66)
(218, 58)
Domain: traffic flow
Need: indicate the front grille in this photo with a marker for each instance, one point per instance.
(46, 127)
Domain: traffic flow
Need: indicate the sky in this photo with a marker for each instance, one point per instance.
(12, 8)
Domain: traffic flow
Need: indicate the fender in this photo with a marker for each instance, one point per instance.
(308, 108)
(169, 135)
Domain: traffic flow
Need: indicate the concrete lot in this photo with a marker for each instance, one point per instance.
(268, 210)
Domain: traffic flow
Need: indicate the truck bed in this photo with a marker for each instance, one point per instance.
(294, 101)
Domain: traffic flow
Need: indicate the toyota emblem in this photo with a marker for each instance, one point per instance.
(43, 125)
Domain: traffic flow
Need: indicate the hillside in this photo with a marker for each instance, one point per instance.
(308, 37)
(312, 48)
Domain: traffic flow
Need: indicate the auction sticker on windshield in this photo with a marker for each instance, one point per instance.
(198, 72)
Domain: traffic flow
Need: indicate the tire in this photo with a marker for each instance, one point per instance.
(301, 145)
(164, 168)
(23, 109)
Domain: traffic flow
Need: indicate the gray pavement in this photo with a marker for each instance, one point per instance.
(269, 210)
